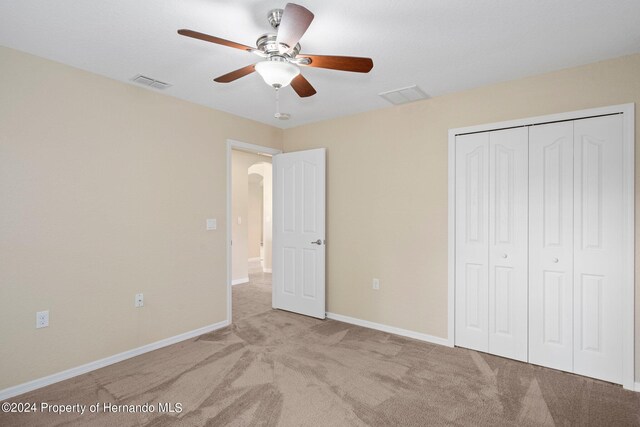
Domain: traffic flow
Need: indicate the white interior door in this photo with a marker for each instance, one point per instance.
(472, 241)
(551, 245)
(598, 251)
(508, 235)
(299, 232)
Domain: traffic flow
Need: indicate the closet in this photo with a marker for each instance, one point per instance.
(539, 244)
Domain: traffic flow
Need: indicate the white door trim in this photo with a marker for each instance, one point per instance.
(628, 291)
(251, 148)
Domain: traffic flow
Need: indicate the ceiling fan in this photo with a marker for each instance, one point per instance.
(281, 52)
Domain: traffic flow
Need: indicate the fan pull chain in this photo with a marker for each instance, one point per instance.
(278, 114)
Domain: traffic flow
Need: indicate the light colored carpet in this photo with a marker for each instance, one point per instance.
(277, 368)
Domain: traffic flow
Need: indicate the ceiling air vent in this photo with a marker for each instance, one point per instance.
(148, 81)
(404, 95)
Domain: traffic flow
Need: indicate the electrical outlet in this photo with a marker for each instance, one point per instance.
(42, 319)
(139, 300)
(375, 284)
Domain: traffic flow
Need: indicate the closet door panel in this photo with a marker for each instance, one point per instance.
(551, 245)
(472, 229)
(508, 212)
(598, 211)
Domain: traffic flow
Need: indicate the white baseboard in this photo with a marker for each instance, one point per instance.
(636, 386)
(92, 366)
(390, 329)
(266, 270)
(239, 281)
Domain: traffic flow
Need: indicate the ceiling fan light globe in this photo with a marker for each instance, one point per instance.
(277, 73)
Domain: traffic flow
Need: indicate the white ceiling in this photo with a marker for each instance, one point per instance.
(442, 46)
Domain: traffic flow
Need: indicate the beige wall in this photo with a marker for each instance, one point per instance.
(105, 188)
(254, 216)
(241, 161)
(104, 192)
(266, 171)
(387, 187)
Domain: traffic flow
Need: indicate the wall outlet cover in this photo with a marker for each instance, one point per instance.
(42, 319)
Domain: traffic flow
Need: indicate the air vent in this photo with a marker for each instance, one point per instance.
(148, 81)
(404, 95)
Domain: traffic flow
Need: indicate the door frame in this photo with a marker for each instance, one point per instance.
(628, 285)
(251, 148)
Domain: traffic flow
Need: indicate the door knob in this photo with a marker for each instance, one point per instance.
(317, 242)
(504, 256)
(555, 260)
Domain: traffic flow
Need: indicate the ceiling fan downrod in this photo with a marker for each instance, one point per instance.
(275, 16)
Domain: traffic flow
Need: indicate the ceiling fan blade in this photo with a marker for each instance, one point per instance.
(302, 86)
(213, 39)
(235, 75)
(342, 63)
(294, 23)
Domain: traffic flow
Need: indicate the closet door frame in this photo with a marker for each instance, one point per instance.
(628, 285)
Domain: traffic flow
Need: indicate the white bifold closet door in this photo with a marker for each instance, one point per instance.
(472, 241)
(551, 245)
(491, 242)
(508, 235)
(598, 218)
(575, 248)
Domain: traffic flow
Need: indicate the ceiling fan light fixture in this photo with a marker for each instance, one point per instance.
(280, 50)
(277, 73)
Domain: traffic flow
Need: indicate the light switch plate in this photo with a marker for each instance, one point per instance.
(212, 224)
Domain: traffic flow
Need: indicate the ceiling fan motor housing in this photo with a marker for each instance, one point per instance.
(267, 43)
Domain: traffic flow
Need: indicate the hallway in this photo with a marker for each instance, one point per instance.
(253, 298)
